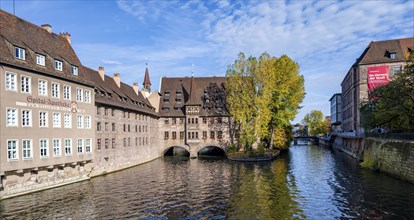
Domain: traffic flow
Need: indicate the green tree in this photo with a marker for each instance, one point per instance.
(392, 106)
(264, 95)
(316, 123)
(240, 96)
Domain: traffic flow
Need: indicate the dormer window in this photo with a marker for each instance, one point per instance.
(58, 65)
(393, 56)
(40, 59)
(74, 70)
(19, 53)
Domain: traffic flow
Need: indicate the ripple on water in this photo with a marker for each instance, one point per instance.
(308, 182)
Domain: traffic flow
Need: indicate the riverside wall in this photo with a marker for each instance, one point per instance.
(389, 155)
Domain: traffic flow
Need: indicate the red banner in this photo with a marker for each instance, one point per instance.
(377, 76)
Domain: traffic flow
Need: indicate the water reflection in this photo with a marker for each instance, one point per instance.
(308, 182)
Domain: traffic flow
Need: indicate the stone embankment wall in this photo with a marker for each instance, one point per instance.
(391, 156)
(27, 181)
(394, 157)
(353, 146)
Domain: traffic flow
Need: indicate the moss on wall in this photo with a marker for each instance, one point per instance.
(394, 157)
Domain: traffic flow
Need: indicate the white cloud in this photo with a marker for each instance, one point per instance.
(325, 37)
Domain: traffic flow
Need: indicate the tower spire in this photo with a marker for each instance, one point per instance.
(147, 83)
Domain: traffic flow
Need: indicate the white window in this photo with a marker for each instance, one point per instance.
(56, 148)
(74, 70)
(27, 149)
(56, 120)
(25, 84)
(68, 147)
(79, 95)
(19, 53)
(87, 121)
(67, 121)
(393, 55)
(42, 87)
(11, 83)
(80, 146)
(88, 145)
(66, 92)
(58, 65)
(396, 69)
(44, 148)
(12, 153)
(55, 90)
(11, 117)
(26, 118)
(80, 121)
(40, 59)
(43, 119)
(87, 96)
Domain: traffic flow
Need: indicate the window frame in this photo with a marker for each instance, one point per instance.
(58, 121)
(19, 53)
(58, 148)
(58, 65)
(46, 119)
(42, 58)
(55, 92)
(28, 84)
(65, 125)
(68, 146)
(88, 122)
(46, 149)
(79, 123)
(80, 147)
(74, 70)
(24, 150)
(16, 116)
(10, 86)
(79, 94)
(45, 87)
(67, 93)
(87, 96)
(88, 145)
(15, 150)
(30, 118)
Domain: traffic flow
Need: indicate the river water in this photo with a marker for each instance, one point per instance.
(308, 182)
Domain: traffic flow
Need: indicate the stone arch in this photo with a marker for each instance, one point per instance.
(176, 150)
(211, 150)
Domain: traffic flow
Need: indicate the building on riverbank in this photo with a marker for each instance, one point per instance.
(377, 65)
(47, 133)
(126, 123)
(336, 112)
(193, 114)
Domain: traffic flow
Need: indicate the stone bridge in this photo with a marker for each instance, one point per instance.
(312, 139)
(194, 149)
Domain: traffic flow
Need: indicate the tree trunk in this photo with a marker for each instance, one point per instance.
(272, 136)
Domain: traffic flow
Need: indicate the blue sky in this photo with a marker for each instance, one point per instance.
(324, 37)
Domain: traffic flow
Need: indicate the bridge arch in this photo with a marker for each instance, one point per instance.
(177, 151)
(211, 150)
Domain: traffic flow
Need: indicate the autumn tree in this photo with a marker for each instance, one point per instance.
(392, 106)
(316, 123)
(240, 95)
(264, 95)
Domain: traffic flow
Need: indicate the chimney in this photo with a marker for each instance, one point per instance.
(135, 87)
(47, 27)
(117, 79)
(65, 35)
(101, 72)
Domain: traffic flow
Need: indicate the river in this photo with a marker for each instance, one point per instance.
(308, 182)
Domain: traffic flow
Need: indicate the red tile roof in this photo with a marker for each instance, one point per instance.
(108, 93)
(208, 92)
(146, 78)
(16, 32)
